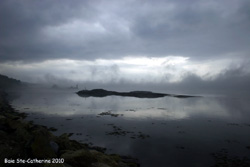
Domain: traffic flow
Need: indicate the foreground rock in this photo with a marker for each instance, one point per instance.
(26, 141)
(139, 94)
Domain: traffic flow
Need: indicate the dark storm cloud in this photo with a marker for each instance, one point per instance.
(23, 21)
(197, 29)
(113, 29)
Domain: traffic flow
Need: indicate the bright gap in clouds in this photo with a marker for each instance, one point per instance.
(128, 69)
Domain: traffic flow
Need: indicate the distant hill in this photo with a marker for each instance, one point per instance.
(7, 83)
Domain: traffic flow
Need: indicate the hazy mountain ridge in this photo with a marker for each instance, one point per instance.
(6, 82)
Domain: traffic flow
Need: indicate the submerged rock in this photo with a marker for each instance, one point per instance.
(222, 159)
(110, 113)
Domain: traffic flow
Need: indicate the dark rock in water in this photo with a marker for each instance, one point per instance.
(129, 159)
(110, 113)
(118, 131)
(138, 94)
(233, 124)
(52, 129)
(97, 148)
(180, 147)
(222, 159)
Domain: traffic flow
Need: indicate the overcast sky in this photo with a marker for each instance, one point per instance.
(161, 43)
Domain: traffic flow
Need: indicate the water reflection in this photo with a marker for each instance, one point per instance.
(67, 103)
(183, 132)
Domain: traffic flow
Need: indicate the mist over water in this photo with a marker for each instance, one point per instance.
(159, 132)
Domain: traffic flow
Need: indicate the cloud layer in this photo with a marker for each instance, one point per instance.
(199, 44)
(41, 30)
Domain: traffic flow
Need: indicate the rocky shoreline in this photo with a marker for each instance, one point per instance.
(35, 145)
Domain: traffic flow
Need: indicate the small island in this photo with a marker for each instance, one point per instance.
(138, 94)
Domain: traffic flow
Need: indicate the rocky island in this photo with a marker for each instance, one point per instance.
(138, 94)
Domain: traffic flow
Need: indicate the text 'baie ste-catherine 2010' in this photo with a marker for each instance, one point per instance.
(34, 161)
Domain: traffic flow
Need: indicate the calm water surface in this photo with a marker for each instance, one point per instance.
(159, 132)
